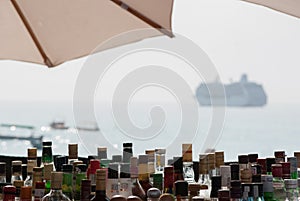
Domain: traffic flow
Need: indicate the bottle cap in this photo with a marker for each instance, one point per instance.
(2, 168)
(243, 159)
(277, 170)
(153, 193)
(9, 189)
(56, 180)
(47, 143)
(181, 188)
(94, 165)
(187, 152)
(39, 185)
(67, 168)
(26, 192)
(32, 153)
(60, 160)
(118, 198)
(125, 170)
(252, 158)
(48, 168)
(116, 159)
(279, 154)
(269, 163)
(113, 171)
(219, 158)
(18, 183)
(73, 151)
(102, 152)
(291, 183)
(160, 151)
(127, 144)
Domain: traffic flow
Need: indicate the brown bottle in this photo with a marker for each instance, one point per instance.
(143, 173)
(26, 193)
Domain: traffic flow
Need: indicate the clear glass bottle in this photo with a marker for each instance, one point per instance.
(67, 181)
(137, 189)
(168, 179)
(56, 193)
(187, 159)
(16, 173)
(30, 166)
(125, 180)
(160, 160)
(291, 189)
(26, 193)
(153, 194)
(268, 188)
(278, 183)
(127, 152)
(204, 178)
(100, 186)
(18, 184)
(47, 156)
(112, 184)
(2, 172)
(181, 190)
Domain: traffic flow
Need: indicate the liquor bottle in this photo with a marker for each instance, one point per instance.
(125, 180)
(279, 156)
(144, 173)
(225, 173)
(39, 191)
(160, 160)
(181, 191)
(169, 179)
(85, 190)
(151, 163)
(224, 195)
(293, 164)
(60, 160)
(263, 163)
(47, 156)
(196, 170)
(16, 171)
(291, 189)
(112, 184)
(9, 192)
(37, 176)
(67, 180)
(269, 163)
(73, 153)
(252, 159)
(178, 168)
(26, 193)
(211, 164)
(153, 194)
(102, 153)
(286, 170)
(18, 184)
(32, 156)
(247, 192)
(235, 190)
(2, 172)
(137, 189)
(24, 171)
(158, 181)
(48, 168)
(30, 165)
(91, 172)
(235, 171)
(278, 183)
(219, 160)
(297, 155)
(215, 187)
(194, 190)
(204, 178)
(100, 186)
(245, 171)
(127, 152)
(187, 158)
(257, 193)
(56, 188)
(268, 188)
(80, 174)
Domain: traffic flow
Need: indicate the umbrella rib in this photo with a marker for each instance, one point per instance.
(143, 18)
(47, 61)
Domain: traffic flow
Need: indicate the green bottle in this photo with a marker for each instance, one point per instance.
(80, 174)
(67, 182)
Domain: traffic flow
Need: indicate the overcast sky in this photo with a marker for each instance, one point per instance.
(238, 37)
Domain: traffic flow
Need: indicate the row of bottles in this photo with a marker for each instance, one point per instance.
(149, 176)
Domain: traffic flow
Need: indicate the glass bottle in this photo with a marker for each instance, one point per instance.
(91, 172)
(85, 190)
(80, 174)
(100, 186)
(293, 165)
(151, 164)
(225, 173)
(224, 195)
(137, 189)
(278, 183)
(291, 189)
(48, 168)
(60, 160)
(235, 171)
(32, 156)
(102, 153)
(263, 163)
(67, 180)
(160, 160)
(297, 155)
(9, 192)
(235, 190)
(196, 171)
(30, 166)
(18, 184)
(125, 180)
(47, 156)
(194, 190)
(211, 164)
(37, 176)
(187, 159)
(56, 188)
(204, 178)
(144, 173)
(178, 168)
(256, 196)
(215, 187)
(16, 173)
(181, 190)
(73, 153)
(158, 181)
(39, 191)
(269, 163)
(245, 170)
(112, 184)
(2, 172)
(127, 152)
(268, 188)
(247, 192)
(26, 193)
(252, 159)
(168, 179)
(286, 170)
(153, 194)
(219, 160)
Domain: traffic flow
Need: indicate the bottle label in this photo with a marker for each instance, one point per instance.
(125, 187)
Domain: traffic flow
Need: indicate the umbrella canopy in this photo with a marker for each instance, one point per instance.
(291, 7)
(54, 31)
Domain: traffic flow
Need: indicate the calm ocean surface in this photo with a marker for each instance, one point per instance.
(245, 130)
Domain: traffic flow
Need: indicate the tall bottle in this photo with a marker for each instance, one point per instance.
(160, 160)
(127, 152)
(16, 173)
(47, 156)
(37, 176)
(31, 163)
(187, 158)
(48, 168)
(100, 186)
(125, 180)
(169, 179)
(112, 184)
(278, 183)
(56, 188)
(181, 191)
(144, 173)
(137, 189)
(80, 174)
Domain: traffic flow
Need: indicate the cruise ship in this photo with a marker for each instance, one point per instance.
(236, 94)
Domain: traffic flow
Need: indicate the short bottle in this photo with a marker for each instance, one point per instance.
(56, 188)
(100, 186)
(181, 191)
(16, 173)
(187, 158)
